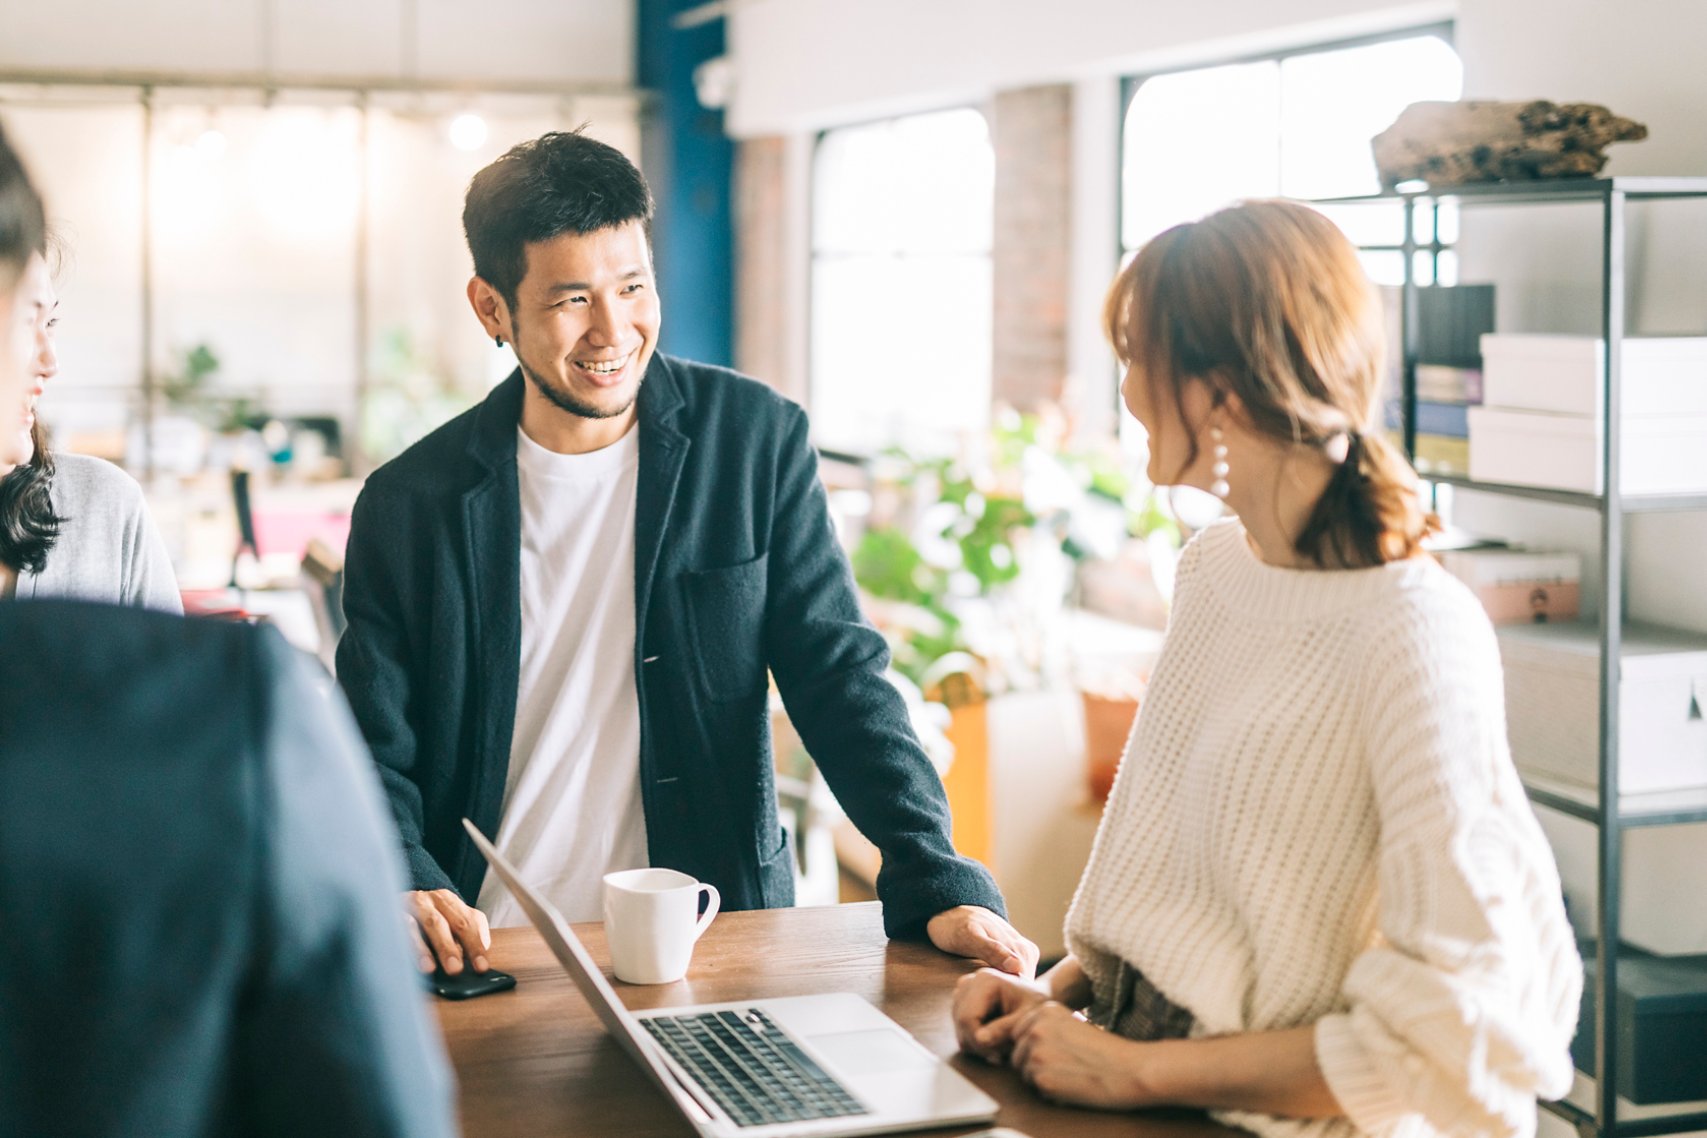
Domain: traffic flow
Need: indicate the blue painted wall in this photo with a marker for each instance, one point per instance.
(689, 162)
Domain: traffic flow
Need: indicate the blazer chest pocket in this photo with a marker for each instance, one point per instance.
(726, 613)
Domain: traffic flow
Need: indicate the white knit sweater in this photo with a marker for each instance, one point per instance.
(1317, 821)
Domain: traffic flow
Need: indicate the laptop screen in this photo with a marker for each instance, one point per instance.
(584, 971)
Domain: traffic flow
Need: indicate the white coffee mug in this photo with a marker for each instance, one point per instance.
(652, 920)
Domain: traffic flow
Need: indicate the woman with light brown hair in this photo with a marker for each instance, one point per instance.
(1319, 902)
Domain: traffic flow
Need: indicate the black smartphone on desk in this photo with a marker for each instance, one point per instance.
(468, 983)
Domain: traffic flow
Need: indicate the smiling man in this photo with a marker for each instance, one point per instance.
(563, 606)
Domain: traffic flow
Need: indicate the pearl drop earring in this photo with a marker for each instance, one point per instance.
(1219, 487)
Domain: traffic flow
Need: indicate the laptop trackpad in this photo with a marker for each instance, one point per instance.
(870, 1052)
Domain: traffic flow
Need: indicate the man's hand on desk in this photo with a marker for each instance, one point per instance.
(976, 932)
(447, 927)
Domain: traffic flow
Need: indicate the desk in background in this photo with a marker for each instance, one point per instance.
(536, 1061)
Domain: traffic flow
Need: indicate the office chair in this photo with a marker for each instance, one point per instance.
(245, 522)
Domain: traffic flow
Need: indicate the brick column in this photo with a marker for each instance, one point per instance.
(761, 266)
(1032, 129)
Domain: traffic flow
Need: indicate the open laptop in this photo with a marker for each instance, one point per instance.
(828, 1065)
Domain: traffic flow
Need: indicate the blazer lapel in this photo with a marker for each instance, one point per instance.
(492, 525)
(663, 452)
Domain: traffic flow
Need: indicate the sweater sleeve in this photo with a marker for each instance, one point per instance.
(1461, 1012)
(149, 579)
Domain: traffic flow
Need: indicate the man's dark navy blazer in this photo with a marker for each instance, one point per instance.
(736, 571)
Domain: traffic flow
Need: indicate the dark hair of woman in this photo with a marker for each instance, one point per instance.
(28, 525)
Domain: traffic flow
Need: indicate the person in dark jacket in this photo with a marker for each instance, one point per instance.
(197, 939)
(563, 606)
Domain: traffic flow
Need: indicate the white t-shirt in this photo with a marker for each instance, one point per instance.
(572, 805)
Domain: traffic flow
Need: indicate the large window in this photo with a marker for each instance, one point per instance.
(308, 247)
(1295, 125)
(901, 282)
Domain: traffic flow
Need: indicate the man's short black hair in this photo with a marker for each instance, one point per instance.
(561, 182)
(22, 226)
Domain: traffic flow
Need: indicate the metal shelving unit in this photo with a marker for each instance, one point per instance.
(1611, 812)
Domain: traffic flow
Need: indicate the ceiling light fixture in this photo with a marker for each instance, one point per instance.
(468, 131)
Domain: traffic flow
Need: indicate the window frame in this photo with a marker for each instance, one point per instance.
(1129, 85)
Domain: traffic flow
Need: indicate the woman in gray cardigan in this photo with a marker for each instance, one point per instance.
(71, 525)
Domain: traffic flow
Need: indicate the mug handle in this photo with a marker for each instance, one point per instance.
(714, 900)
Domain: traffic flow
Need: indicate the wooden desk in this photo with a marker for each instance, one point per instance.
(536, 1061)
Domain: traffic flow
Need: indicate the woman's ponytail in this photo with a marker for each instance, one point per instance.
(1371, 512)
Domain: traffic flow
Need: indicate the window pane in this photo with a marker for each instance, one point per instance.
(1373, 223)
(921, 183)
(942, 170)
(882, 371)
(1334, 102)
(1448, 223)
(281, 189)
(1385, 266)
(1198, 140)
(902, 228)
(1448, 268)
(85, 159)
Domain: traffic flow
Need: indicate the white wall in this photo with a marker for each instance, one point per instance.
(555, 41)
(805, 64)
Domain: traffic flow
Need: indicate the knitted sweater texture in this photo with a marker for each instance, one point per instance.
(1317, 822)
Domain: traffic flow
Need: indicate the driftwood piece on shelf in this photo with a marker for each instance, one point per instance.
(1451, 144)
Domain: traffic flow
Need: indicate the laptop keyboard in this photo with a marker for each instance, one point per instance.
(753, 1070)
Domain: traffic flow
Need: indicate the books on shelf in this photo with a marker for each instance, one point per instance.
(1442, 454)
(1442, 383)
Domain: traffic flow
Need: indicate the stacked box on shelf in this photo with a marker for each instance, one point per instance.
(1543, 414)
(1661, 1018)
(1518, 586)
(1552, 682)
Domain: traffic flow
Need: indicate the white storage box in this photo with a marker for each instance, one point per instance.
(1661, 454)
(1552, 693)
(1661, 375)
(1665, 880)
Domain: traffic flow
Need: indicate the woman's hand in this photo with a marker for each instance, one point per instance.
(1068, 1060)
(987, 1006)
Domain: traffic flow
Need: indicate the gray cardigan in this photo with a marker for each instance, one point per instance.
(108, 548)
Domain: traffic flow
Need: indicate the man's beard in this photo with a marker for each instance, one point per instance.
(567, 402)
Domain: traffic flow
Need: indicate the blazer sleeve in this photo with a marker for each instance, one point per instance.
(335, 1037)
(373, 667)
(829, 665)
